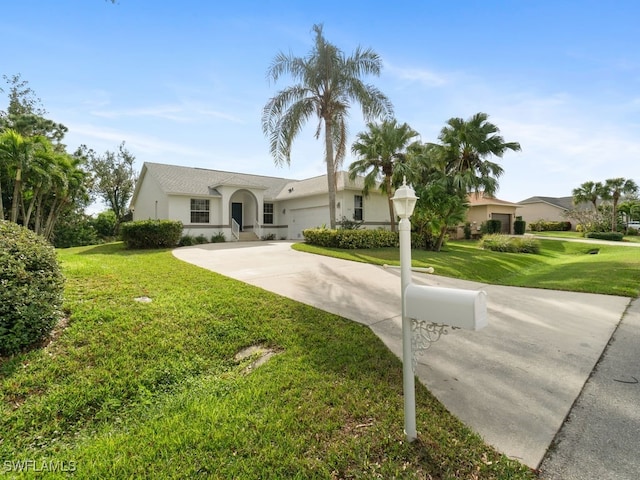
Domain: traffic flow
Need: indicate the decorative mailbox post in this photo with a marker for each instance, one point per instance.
(426, 311)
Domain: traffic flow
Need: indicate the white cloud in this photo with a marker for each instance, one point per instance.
(428, 78)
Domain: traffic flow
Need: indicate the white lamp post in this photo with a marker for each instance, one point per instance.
(404, 201)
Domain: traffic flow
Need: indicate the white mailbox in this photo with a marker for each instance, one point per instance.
(448, 306)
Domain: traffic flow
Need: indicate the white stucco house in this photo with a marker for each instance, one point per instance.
(249, 206)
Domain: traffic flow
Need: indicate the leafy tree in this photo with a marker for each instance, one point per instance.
(328, 82)
(445, 173)
(382, 157)
(467, 146)
(114, 177)
(442, 201)
(614, 189)
(25, 113)
(588, 192)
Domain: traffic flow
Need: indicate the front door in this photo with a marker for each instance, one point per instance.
(236, 213)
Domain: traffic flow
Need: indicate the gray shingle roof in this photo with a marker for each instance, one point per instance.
(566, 203)
(179, 180)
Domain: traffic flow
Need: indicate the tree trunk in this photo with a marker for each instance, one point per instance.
(331, 171)
(392, 213)
(440, 241)
(1, 204)
(16, 193)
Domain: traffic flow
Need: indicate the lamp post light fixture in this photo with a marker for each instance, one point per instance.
(404, 201)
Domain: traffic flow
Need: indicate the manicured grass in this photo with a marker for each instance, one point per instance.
(152, 390)
(561, 265)
(627, 238)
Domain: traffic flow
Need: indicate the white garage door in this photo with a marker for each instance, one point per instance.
(303, 218)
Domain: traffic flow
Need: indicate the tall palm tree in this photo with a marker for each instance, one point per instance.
(588, 192)
(328, 82)
(467, 147)
(382, 156)
(615, 188)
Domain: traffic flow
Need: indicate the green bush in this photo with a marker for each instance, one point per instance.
(544, 226)
(201, 239)
(218, 238)
(350, 239)
(505, 243)
(615, 236)
(31, 287)
(491, 227)
(187, 241)
(519, 227)
(151, 233)
(423, 241)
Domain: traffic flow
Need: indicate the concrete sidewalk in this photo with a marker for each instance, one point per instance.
(513, 382)
(601, 437)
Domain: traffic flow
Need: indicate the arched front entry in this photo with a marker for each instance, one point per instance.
(243, 208)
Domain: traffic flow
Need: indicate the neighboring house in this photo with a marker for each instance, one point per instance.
(482, 208)
(250, 206)
(550, 209)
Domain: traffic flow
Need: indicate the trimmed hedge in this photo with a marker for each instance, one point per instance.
(31, 288)
(614, 236)
(544, 226)
(519, 227)
(151, 233)
(350, 239)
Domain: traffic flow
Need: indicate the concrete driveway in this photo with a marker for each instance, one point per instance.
(513, 382)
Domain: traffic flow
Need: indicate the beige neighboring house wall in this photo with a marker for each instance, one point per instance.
(550, 209)
(483, 208)
(167, 191)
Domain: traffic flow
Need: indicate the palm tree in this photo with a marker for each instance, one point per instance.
(382, 155)
(328, 82)
(16, 153)
(616, 188)
(467, 146)
(588, 192)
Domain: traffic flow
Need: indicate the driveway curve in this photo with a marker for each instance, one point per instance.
(514, 382)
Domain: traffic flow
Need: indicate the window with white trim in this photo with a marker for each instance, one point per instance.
(199, 210)
(267, 211)
(358, 208)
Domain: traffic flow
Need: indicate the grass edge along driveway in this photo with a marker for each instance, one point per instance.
(561, 265)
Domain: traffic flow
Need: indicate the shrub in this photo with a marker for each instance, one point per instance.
(632, 232)
(201, 239)
(519, 227)
(31, 288)
(423, 240)
(544, 226)
(491, 227)
(505, 243)
(346, 224)
(268, 236)
(614, 236)
(467, 231)
(186, 241)
(218, 238)
(350, 239)
(151, 233)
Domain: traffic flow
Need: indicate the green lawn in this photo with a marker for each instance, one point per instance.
(152, 390)
(561, 265)
(627, 238)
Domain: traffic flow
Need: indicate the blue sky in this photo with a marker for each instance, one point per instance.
(184, 81)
